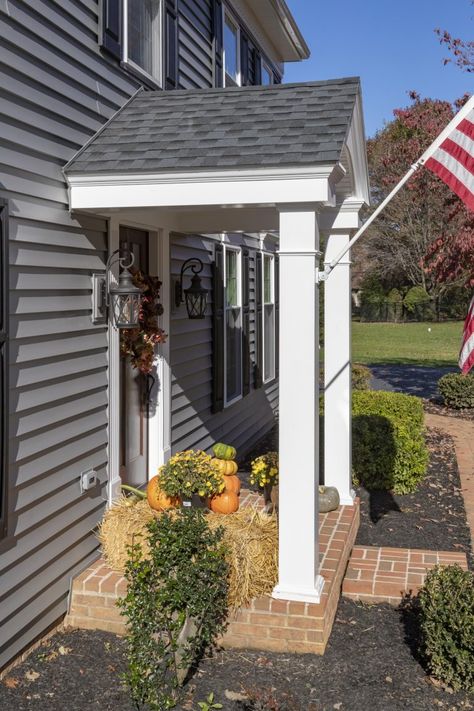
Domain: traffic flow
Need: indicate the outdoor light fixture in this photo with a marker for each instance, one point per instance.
(195, 295)
(121, 301)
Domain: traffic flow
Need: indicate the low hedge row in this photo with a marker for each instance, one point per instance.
(457, 390)
(389, 449)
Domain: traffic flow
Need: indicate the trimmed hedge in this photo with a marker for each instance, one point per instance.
(388, 444)
(361, 376)
(447, 625)
(457, 390)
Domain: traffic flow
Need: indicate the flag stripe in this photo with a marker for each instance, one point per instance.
(462, 140)
(452, 181)
(454, 167)
(467, 126)
(458, 153)
(466, 355)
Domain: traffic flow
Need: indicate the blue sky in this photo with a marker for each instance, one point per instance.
(390, 44)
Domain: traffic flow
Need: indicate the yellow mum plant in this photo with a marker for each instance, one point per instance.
(191, 472)
(264, 470)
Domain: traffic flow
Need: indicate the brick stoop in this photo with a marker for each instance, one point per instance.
(266, 624)
(377, 575)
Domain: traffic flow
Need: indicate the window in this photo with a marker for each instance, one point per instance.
(267, 75)
(3, 364)
(143, 36)
(268, 314)
(231, 52)
(233, 325)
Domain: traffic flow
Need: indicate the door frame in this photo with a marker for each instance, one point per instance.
(159, 424)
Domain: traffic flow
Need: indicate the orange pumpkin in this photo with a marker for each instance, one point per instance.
(232, 483)
(225, 466)
(225, 503)
(157, 498)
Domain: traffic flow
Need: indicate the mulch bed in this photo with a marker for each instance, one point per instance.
(432, 518)
(368, 665)
(436, 407)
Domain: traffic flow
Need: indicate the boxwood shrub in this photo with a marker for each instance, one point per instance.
(361, 376)
(447, 625)
(389, 449)
(457, 390)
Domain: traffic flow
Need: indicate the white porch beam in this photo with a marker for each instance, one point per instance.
(298, 577)
(337, 371)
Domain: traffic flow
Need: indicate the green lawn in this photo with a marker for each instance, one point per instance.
(410, 343)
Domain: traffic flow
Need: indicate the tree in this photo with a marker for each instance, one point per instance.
(417, 236)
(462, 50)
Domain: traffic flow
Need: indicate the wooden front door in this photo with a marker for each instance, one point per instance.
(134, 388)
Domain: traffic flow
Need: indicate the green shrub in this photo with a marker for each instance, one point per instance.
(447, 625)
(176, 605)
(457, 390)
(361, 376)
(414, 296)
(389, 449)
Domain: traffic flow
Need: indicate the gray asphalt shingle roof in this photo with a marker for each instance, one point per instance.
(251, 127)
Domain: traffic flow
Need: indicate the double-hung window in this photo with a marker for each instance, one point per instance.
(268, 315)
(232, 325)
(231, 51)
(142, 37)
(267, 75)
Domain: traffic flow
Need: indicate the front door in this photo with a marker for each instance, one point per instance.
(134, 388)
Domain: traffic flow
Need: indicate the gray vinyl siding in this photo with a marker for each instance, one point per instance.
(193, 425)
(56, 90)
(195, 47)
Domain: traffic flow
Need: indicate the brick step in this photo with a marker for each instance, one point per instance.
(266, 624)
(388, 574)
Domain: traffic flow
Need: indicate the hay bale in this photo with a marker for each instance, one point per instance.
(250, 538)
(124, 524)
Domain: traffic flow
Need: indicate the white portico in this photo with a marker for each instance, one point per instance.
(287, 159)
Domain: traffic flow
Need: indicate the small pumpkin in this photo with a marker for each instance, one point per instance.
(224, 451)
(225, 503)
(158, 500)
(328, 498)
(232, 483)
(225, 467)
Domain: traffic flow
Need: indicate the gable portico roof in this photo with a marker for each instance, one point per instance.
(279, 126)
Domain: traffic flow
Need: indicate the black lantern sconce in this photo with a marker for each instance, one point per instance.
(121, 301)
(195, 295)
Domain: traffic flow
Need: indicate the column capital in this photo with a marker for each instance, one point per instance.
(315, 207)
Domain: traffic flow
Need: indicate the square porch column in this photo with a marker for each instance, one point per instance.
(298, 577)
(337, 371)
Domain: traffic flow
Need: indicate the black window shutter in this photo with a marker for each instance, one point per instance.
(3, 365)
(245, 323)
(171, 44)
(218, 330)
(277, 315)
(112, 27)
(244, 59)
(258, 376)
(218, 36)
(257, 59)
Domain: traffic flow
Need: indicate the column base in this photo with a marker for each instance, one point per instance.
(312, 595)
(348, 499)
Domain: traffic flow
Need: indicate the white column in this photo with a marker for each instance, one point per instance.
(115, 481)
(337, 371)
(298, 577)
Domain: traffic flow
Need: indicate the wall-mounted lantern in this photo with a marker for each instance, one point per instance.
(121, 301)
(195, 295)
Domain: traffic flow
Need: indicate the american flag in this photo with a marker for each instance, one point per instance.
(466, 356)
(453, 159)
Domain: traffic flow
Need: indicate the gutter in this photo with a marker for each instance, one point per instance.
(291, 28)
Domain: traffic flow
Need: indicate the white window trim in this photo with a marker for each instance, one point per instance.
(129, 62)
(266, 66)
(226, 13)
(270, 303)
(238, 250)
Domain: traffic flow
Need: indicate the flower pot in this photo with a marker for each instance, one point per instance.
(271, 495)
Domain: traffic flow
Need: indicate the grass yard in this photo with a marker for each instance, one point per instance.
(409, 343)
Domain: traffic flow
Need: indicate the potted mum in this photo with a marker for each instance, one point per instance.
(193, 476)
(264, 473)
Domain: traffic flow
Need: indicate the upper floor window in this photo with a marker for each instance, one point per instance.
(231, 51)
(142, 47)
(268, 317)
(267, 75)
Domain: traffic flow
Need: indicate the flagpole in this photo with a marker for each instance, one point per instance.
(468, 106)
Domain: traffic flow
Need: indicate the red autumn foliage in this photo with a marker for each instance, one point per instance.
(461, 50)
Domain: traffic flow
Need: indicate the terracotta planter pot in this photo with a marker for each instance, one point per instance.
(271, 497)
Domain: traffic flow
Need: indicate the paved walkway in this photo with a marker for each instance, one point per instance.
(410, 379)
(462, 432)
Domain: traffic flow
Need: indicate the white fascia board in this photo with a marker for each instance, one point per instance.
(226, 188)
